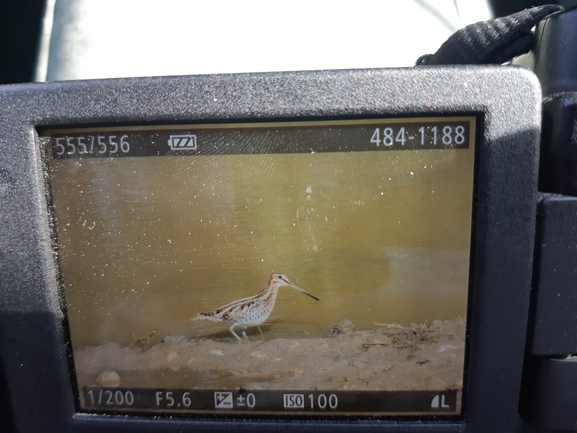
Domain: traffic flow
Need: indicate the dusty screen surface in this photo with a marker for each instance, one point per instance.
(310, 268)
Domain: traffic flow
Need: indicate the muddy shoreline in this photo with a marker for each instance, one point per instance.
(388, 357)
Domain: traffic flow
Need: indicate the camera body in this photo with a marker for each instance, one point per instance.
(427, 212)
(40, 324)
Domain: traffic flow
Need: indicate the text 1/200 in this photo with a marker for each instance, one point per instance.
(110, 398)
(435, 135)
(100, 145)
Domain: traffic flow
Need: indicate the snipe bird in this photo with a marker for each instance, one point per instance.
(254, 310)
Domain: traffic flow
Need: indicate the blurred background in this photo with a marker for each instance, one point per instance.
(45, 40)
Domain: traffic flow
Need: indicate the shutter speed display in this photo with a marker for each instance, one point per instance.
(187, 253)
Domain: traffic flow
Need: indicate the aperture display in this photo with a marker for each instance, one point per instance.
(288, 268)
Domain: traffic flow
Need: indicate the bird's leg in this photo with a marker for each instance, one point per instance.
(234, 333)
(261, 336)
(244, 335)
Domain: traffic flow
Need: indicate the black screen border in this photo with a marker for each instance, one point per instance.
(475, 132)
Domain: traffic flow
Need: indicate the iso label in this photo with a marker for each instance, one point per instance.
(294, 401)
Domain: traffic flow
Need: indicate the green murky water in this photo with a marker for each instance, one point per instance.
(147, 243)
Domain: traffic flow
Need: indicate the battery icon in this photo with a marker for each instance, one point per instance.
(182, 142)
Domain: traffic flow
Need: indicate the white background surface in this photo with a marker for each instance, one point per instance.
(127, 38)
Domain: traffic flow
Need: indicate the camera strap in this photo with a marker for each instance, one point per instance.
(494, 41)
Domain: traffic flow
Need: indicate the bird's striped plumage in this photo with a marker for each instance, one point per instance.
(253, 310)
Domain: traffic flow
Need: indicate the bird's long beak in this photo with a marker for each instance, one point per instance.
(294, 286)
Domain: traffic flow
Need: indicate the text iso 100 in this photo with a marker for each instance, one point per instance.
(90, 145)
(431, 136)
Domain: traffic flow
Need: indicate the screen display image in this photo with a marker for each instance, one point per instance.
(292, 268)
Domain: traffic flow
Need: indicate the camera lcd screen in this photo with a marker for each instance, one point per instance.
(313, 268)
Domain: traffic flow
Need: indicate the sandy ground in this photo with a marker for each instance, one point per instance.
(389, 357)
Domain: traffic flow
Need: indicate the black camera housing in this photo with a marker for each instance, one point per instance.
(507, 102)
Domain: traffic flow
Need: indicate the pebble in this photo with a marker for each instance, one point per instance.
(447, 347)
(109, 379)
(343, 327)
(170, 358)
(296, 372)
(170, 339)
